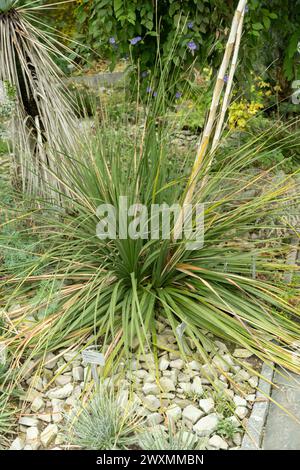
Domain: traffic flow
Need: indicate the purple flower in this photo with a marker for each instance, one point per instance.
(135, 40)
(148, 89)
(154, 94)
(225, 78)
(144, 74)
(190, 25)
(192, 46)
(112, 40)
(177, 95)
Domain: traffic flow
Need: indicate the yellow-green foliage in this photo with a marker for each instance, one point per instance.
(242, 110)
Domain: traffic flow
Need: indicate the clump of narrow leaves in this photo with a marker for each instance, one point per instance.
(159, 438)
(102, 424)
(115, 288)
(231, 287)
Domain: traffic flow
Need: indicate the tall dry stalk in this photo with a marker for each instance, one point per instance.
(232, 47)
(43, 125)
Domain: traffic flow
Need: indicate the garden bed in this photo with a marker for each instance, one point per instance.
(209, 401)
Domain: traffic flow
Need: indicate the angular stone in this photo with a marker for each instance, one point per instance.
(50, 361)
(140, 374)
(233, 419)
(30, 395)
(239, 401)
(218, 443)
(37, 404)
(207, 372)
(174, 413)
(250, 397)
(253, 381)
(62, 380)
(221, 346)
(194, 365)
(36, 382)
(206, 425)
(17, 444)
(242, 353)
(186, 387)
(32, 437)
(45, 416)
(71, 356)
(151, 402)
(207, 405)
(61, 393)
(154, 418)
(49, 434)
(197, 386)
(163, 363)
(241, 411)
(28, 421)
(237, 439)
(28, 369)
(177, 364)
(150, 389)
(183, 377)
(150, 378)
(220, 364)
(78, 373)
(242, 376)
(174, 355)
(167, 384)
(191, 413)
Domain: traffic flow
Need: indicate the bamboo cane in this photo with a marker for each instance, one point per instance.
(232, 39)
(228, 89)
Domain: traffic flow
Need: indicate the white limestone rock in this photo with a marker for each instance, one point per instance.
(239, 401)
(196, 386)
(37, 404)
(50, 361)
(17, 444)
(167, 384)
(241, 411)
(32, 437)
(177, 364)
(174, 413)
(206, 425)
(150, 388)
(78, 373)
(218, 443)
(28, 421)
(151, 402)
(163, 363)
(61, 393)
(49, 434)
(207, 405)
(191, 413)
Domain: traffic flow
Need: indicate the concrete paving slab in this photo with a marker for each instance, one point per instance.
(282, 432)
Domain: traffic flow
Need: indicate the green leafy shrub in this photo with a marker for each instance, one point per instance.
(226, 428)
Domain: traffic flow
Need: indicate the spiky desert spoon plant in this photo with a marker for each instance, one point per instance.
(44, 122)
(230, 287)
